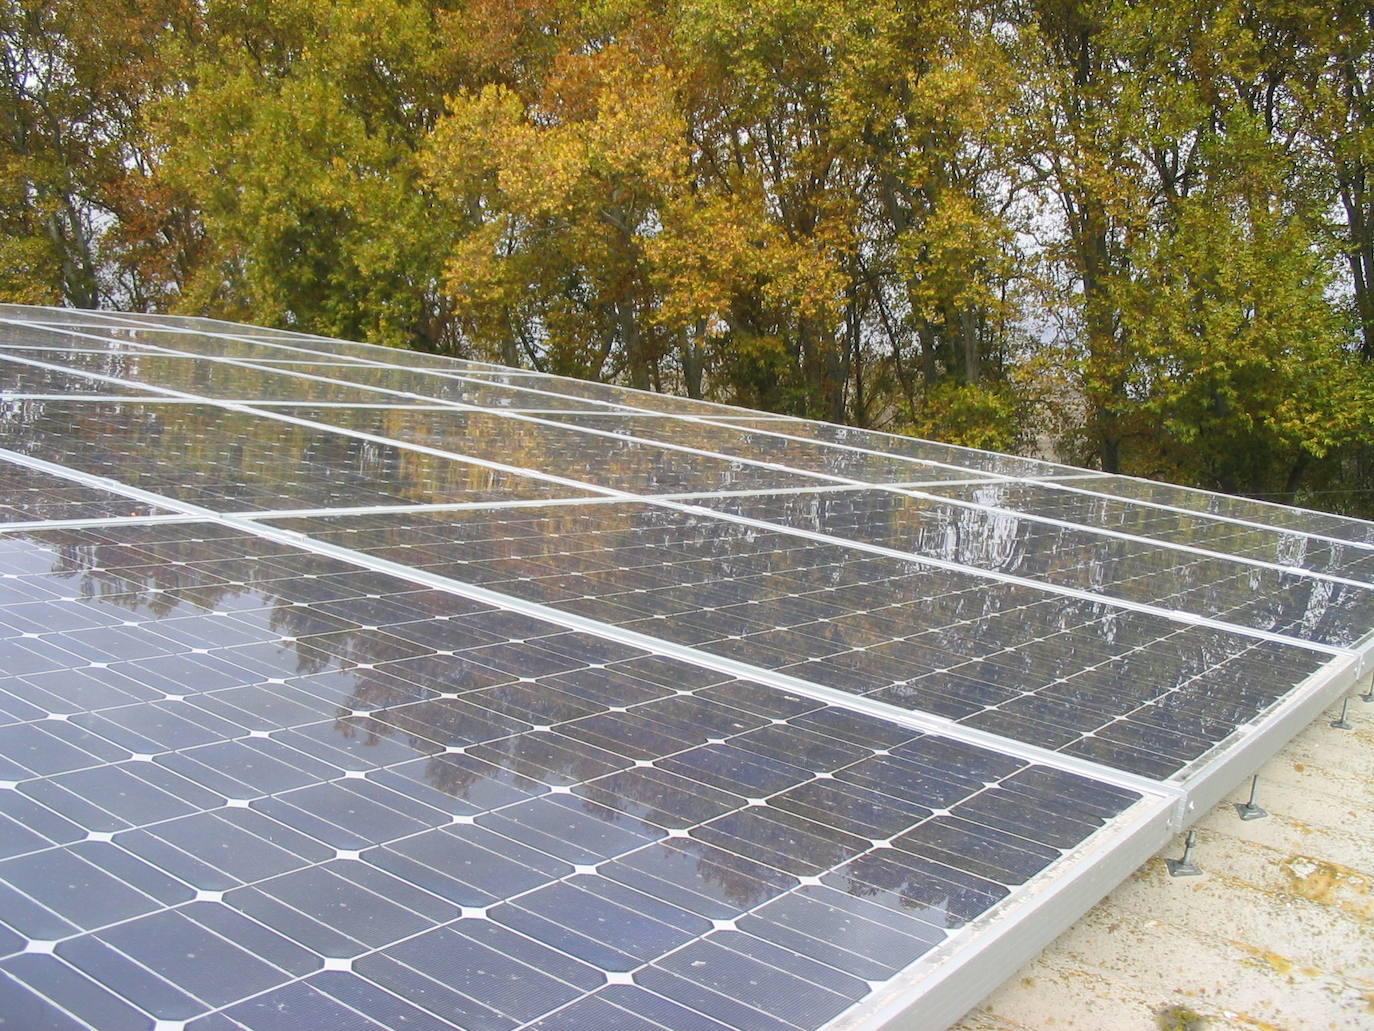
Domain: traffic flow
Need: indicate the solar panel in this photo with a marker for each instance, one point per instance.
(342, 686)
(1127, 688)
(1170, 525)
(1264, 596)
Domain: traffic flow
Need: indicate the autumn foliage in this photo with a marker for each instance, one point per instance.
(1138, 234)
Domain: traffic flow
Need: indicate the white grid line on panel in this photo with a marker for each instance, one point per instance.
(151, 398)
(953, 939)
(917, 721)
(451, 506)
(1070, 870)
(89, 523)
(1084, 474)
(1061, 480)
(161, 323)
(912, 490)
(1076, 872)
(126, 347)
(1045, 480)
(235, 331)
(991, 476)
(125, 319)
(1172, 615)
(1102, 531)
(363, 950)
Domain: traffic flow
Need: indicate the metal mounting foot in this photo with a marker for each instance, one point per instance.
(1183, 866)
(1343, 723)
(1368, 695)
(1249, 810)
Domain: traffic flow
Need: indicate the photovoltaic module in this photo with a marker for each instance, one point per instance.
(347, 687)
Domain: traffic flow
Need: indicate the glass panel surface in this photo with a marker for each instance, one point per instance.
(762, 447)
(1301, 520)
(400, 384)
(27, 495)
(18, 378)
(1134, 691)
(204, 337)
(248, 784)
(921, 450)
(234, 462)
(207, 379)
(245, 785)
(612, 394)
(1245, 595)
(1194, 529)
(617, 463)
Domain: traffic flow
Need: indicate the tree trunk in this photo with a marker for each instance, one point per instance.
(633, 341)
(968, 338)
(1359, 213)
(692, 359)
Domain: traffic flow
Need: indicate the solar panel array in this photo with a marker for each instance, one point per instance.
(342, 686)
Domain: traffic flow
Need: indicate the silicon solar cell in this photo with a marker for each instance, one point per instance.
(235, 461)
(342, 686)
(544, 447)
(268, 380)
(1251, 596)
(219, 794)
(919, 450)
(613, 395)
(27, 495)
(1171, 526)
(205, 379)
(16, 379)
(1245, 510)
(761, 447)
(1127, 689)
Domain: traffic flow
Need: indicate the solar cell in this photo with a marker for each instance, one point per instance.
(1171, 526)
(260, 804)
(19, 379)
(1127, 689)
(545, 447)
(1263, 598)
(342, 686)
(919, 450)
(1245, 510)
(204, 379)
(236, 461)
(270, 379)
(27, 495)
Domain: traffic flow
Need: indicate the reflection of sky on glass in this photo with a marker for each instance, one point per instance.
(222, 690)
(231, 461)
(1267, 544)
(1132, 690)
(999, 541)
(27, 495)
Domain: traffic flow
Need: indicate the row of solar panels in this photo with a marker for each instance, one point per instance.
(391, 688)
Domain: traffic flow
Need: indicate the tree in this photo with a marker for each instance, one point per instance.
(74, 152)
(299, 139)
(558, 194)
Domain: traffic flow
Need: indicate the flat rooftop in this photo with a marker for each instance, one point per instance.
(1277, 932)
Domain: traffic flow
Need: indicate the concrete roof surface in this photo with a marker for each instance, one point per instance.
(1277, 933)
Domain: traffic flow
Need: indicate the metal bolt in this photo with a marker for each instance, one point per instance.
(1184, 866)
(1343, 723)
(1248, 810)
